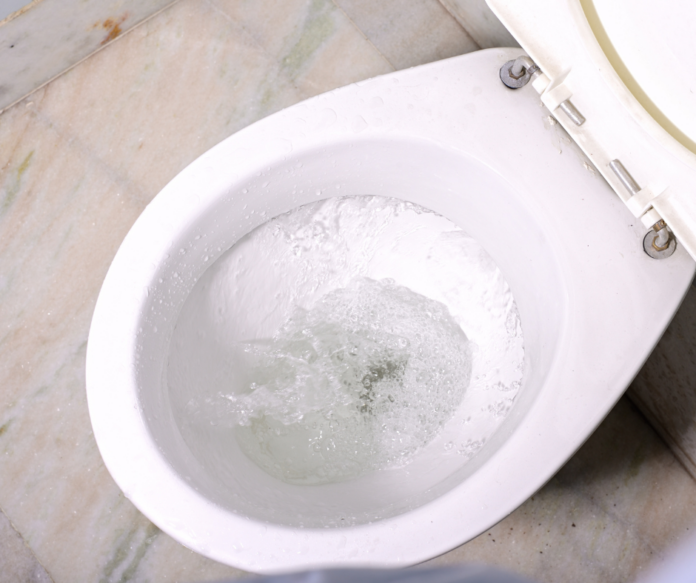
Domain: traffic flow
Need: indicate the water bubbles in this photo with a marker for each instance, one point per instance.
(292, 353)
(331, 394)
(358, 124)
(470, 447)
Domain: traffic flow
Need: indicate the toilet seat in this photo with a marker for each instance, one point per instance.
(576, 51)
(448, 136)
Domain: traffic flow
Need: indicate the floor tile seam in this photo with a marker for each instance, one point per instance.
(259, 46)
(48, 378)
(74, 141)
(272, 59)
(664, 434)
(459, 24)
(242, 29)
(369, 41)
(94, 52)
(24, 542)
(238, 27)
(14, 14)
(87, 154)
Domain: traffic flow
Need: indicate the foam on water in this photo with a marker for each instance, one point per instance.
(361, 381)
(340, 338)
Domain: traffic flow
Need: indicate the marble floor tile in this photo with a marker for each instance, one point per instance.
(62, 216)
(50, 36)
(480, 22)
(411, 32)
(665, 388)
(81, 158)
(17, 563)
(313, 42)
(612, 510)
(139, 108)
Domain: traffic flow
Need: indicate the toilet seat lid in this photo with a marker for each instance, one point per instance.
(625, 64)
(650, 46)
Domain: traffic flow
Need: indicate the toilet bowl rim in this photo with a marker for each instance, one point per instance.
(96, 368)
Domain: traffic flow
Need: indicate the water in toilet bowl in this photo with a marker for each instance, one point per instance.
(345, 337)
(359, 382)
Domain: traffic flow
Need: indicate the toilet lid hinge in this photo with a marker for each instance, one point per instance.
(640, 200)
(554, 95)
(659, 242)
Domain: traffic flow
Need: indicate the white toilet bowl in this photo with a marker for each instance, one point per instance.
(450, 137)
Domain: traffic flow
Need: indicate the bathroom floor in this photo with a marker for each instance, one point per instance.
(80, 159)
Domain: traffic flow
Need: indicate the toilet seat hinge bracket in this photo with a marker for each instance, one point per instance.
(624, 177)
(659, 242)
(520, 71)
(640, 200)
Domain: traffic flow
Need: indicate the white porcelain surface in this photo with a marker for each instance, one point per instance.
(575, 265)
(564, 43)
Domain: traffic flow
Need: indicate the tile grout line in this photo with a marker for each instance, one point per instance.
(259, 46)
(75, 142)
(663, 433)
(12, 15)
(363, 34)
(24, 542)
(71, 67)
(233, 23)
(444, 3)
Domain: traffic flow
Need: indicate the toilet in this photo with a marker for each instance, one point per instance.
(559, 180)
